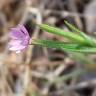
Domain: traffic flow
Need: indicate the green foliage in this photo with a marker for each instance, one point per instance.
(69, 35)
(69, 47)
(54, 44)
(74, 29)
(78, 40)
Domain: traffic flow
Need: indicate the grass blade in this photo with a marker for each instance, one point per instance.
(64, 46)
(54, 44)
(74, 29)
(69, 35)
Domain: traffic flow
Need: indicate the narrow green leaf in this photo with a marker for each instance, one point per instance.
(74, 29)
(64, 46)
(82, 49)
(54, 44)
(69, 35)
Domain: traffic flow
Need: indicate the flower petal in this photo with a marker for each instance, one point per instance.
(13, 48)
(15, 34)
(19, 38)
(15, 42)
(23, 29)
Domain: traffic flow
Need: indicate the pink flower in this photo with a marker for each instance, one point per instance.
(19, 39)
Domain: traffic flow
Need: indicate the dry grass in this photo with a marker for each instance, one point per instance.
(40, 71)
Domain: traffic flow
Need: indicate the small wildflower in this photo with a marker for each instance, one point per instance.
(19, 39)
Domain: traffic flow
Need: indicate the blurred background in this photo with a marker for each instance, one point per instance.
(42, 71)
